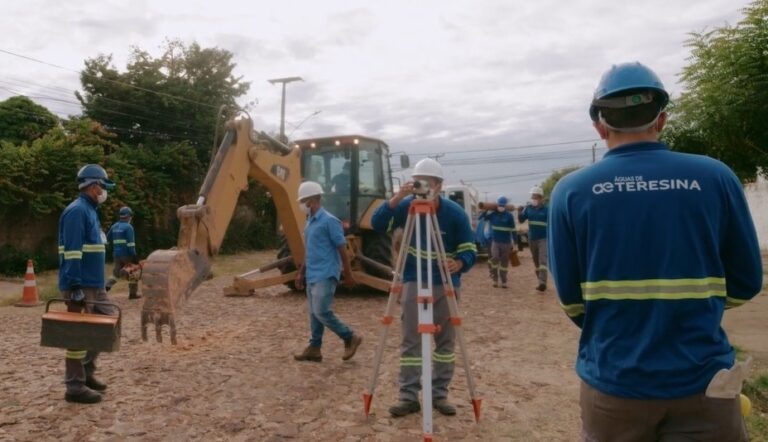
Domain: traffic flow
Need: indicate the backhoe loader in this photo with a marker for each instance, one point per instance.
(355, 174)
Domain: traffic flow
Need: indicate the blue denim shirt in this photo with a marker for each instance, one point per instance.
(323, 235)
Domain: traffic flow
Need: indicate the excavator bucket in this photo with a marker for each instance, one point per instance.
(168, 278)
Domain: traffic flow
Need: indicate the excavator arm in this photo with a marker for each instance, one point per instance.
(170, 276)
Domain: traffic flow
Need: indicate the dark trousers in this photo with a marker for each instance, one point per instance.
(79, 364)
(606, 418)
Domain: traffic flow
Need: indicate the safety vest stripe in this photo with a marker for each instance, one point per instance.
(424, 254)
(466, 246)
(654, 282)
(669, 289)
(76, 354)
(573, 310)
(119, 241)
(410, 361)
(93, 248)
(72, 255)
(439, 357)
(537, 223)
(733, 302)
(61, 249)
(503, 229)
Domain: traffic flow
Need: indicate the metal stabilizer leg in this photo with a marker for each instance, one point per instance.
(395, 291)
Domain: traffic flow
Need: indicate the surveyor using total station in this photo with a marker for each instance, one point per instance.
(81, 275)
(325, 253)
(648, 247)
(460, 247)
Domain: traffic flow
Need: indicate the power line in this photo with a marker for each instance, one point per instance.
(161, 94)
(524, 146)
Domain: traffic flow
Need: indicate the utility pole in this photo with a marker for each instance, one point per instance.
(594, 145)
(285, 80)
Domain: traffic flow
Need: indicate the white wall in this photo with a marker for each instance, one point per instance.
(757, 197)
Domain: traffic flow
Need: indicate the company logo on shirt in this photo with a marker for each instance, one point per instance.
(637, 183)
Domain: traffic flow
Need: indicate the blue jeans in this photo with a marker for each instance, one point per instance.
(320, 299)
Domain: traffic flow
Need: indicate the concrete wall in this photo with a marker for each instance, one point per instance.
(757, 197)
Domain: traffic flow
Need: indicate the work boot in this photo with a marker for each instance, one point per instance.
(94, 383)
(444, 407)
(495, 284)
(310, 354)
(133, 291)
(541, 287)
(87, 396)
(350, 347)
(503, 285)
(134, 296)
(404, 408)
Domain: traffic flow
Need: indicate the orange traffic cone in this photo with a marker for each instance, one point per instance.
(29, 296)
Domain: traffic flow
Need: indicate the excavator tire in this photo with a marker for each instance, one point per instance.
(282, 252)
(378, 247)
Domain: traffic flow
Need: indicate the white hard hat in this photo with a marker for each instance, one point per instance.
(536, 190)
(428, 167)
(308, 189)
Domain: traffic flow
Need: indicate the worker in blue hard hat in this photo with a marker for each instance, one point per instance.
(502, 224)
(123, 240)
(81, 275)
(647, 248)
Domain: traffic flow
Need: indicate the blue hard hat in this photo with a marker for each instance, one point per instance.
(125, 212)
(502, 201)
(627, 77)
(93, 173)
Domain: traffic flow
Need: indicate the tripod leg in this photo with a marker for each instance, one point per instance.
(453, 307)
(395, 292)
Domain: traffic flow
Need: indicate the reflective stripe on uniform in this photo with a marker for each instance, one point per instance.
(424, 254)
(537, 223)
(410, 361)
(573, 310)
(94, 248)
(76, 354)
(668, 289)
(119, 241)
(544, 268)
(72, 255)
(734, 302)
(131, 244)
(446, 358)
(503, 229)
(466, 246)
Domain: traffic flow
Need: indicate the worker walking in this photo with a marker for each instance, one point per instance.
(536, 213)
(326, 254)
(460, 247)
(648, 247)
(81, 275)
(502, 224)
(123, 241)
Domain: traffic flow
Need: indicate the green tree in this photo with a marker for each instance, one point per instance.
(722, 112)
(174, 97)
(548, 184)
(22, 120)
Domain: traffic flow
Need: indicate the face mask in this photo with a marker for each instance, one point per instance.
(501, 208)
(102, 196)
(535, 203)
(304, 208)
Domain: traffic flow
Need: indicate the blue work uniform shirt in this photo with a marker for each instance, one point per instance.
(323, 235)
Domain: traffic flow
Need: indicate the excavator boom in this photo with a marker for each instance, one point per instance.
(170, 276)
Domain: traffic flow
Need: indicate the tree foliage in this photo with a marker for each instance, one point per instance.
(548, 184)
(171, 98)
(722, 112)
(22, 120)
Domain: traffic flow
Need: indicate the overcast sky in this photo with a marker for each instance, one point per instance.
(475, 80)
